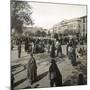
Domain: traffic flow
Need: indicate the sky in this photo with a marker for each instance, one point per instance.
(46, 14)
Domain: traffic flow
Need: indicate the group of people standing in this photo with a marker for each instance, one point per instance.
(55, 50)
(55, 75)
(53, 47)
(32, 45)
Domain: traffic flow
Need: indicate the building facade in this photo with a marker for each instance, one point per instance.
(73, 26)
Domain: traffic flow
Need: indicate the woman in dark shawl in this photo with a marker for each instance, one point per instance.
(55, 75)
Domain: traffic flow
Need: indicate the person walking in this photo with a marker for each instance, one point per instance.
(74, 63)
(68, 44)
(59, 50)
(19, 49)
(57, 47)
(54, 75)
(52, 54)
(32, 69)
(70, 52)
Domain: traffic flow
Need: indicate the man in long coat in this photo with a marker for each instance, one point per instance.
(32, 69)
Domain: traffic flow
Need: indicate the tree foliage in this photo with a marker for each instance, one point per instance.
(40, 33)
(20, 15)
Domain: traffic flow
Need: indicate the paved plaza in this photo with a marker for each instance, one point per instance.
(69, 72)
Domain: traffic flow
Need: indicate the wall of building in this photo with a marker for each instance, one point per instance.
(75, 25)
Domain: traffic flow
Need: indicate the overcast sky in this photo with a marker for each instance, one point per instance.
(46, 14)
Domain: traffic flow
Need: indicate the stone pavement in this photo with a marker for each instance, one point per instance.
(69, 73)
(64, 66)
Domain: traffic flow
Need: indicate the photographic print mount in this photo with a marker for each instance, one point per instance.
(48, 44)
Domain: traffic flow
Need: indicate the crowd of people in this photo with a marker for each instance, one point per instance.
(38, 46)
(54, 49)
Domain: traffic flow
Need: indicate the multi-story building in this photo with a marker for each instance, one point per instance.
(72, 26)
(84, 26)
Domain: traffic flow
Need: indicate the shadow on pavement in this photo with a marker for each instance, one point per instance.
(19, 82)
(67, 83)
(27, 87)
(38, 78)
(41, 76)
(19, 71)
(15, 66)
(36, 85)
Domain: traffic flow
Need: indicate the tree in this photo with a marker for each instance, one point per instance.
(20, 15)
(43, 33)
(38, 33)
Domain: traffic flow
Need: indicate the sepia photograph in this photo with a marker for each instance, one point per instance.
(48, 44)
